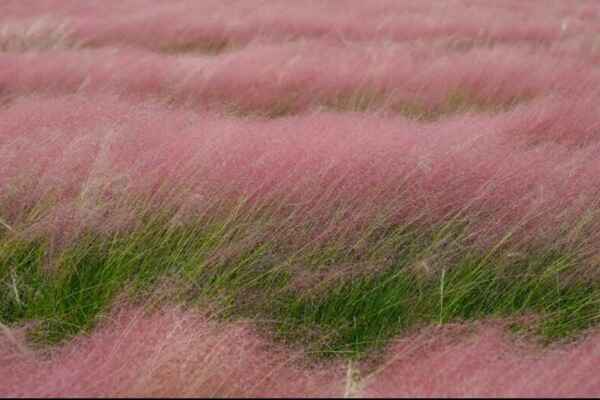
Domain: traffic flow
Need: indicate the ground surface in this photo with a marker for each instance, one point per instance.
(292, 198)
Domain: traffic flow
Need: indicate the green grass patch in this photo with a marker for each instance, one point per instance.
(362, 314)
(66, 291)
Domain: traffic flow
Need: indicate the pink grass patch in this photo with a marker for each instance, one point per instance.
(85, 155)
(294, 77)
(485, 362)
(178, 354)
(166, 354)
(139, 22)
(392, 112)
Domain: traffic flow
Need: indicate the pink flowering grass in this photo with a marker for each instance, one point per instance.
(173, 353)
(337, 172)
(188, 22)
(277, 80)
(170, 353)
(484, 361)
(40, 33)
(498, 171)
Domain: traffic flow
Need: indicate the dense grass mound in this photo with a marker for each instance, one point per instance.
(337, 176)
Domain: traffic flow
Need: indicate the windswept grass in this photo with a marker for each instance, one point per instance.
(337, 174)
(66, 291)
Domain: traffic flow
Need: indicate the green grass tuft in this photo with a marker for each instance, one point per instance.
(66, 291)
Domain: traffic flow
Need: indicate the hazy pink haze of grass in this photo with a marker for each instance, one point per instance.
(484, 361)
(136, 22)
(541, 159)
(336, 117)
(295, 76)
(166, 354)
(172, 353)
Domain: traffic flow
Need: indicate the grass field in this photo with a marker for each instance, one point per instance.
(299, 198)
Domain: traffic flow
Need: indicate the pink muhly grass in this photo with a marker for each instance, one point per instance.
(390, 114)
(191, 21)
(459, 361)
(169, 353)
(83, 155)
(42, 33)
(290, 78)
(172, 353)
(568, 120)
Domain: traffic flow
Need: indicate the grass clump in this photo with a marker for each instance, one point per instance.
(359, 315)
(66, 291)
